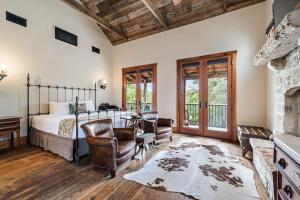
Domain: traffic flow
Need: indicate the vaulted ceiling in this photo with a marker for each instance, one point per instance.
(126, 20)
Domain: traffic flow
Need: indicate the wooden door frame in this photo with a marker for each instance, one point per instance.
(232, 120)
(153, 66)
(214, 133)
(180, 83)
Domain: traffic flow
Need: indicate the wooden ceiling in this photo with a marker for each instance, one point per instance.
(145, 77)
(214, 71)
(127, 20)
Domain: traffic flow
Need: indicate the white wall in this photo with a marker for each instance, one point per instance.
(271, 81)
(34, 50)
(241, 30)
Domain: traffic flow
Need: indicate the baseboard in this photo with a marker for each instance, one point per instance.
(6, 143)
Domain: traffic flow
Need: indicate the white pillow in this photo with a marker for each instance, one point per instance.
(59, 108)
(89, 105)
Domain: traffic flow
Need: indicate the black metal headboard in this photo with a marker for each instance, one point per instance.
(73, 90)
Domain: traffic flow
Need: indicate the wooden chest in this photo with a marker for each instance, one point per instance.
(247, 132)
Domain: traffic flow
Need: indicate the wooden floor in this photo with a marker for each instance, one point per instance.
(37, 174)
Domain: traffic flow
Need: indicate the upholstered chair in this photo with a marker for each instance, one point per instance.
(161, 127)
(110, 147)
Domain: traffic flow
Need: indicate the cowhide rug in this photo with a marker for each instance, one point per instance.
(206, 172)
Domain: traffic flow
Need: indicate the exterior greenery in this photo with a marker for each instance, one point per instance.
(131, 97)
(217, 102)
(217, 91)
(130, 93)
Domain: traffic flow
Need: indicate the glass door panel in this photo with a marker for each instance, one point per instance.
(217, 95)
(131, 91)
(139, 88)
(190, 98)
(146, 87)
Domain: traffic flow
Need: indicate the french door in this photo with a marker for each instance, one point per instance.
(205, 95)
(139, 88)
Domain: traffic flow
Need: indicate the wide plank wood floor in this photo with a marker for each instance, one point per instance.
(37, 174)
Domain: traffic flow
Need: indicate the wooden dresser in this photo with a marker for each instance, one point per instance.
(11, 125)
(287, 160)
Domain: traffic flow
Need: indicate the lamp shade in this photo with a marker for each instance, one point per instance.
(176, 2)
(102, 83)
(3, 69)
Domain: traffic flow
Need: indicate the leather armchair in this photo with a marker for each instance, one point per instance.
(110, 147)
(161, 127)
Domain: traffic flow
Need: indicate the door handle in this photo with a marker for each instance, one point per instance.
(288, 191)
(282, 163)
(200, 104)
(206, 104)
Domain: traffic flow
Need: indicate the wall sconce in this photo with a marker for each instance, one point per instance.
(3, 71)
(102, 84)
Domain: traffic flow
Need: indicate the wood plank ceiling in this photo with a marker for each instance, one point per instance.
(127, 20)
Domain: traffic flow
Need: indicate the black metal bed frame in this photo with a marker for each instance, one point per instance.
(76, 156)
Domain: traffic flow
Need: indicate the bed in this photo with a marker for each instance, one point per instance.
(58, 130)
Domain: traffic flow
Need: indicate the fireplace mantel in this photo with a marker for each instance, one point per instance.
(285, 39)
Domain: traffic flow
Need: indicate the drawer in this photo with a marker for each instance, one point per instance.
(10, 127)
(288, 167)
(287, 191)
(11, 124)
(9, 121)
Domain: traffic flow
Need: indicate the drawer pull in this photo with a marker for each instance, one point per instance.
(281, 163)
(288, 191)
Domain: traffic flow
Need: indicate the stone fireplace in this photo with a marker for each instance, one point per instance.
(291, 121)
(288, 95)
(281, 52)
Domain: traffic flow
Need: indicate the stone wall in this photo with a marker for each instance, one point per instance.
(287, 95)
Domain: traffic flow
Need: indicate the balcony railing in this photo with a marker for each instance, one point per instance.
(145, 107)
(217, 115)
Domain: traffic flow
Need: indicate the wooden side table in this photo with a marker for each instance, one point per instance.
(11, 125)
(131, 121)
(144, 139)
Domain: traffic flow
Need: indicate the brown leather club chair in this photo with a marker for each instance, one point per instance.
(161, 127)
(110, 147)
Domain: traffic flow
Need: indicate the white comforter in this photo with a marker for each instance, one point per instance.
(50, 123)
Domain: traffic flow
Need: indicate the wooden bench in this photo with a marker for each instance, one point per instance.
(247, 132)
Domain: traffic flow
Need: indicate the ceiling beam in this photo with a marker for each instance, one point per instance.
(155, 12)
(74, 4)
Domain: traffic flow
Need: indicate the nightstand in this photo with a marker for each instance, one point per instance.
(11, 125)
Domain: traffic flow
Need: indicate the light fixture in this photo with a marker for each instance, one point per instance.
(176, 2)
(102, 84)
(3, 71)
